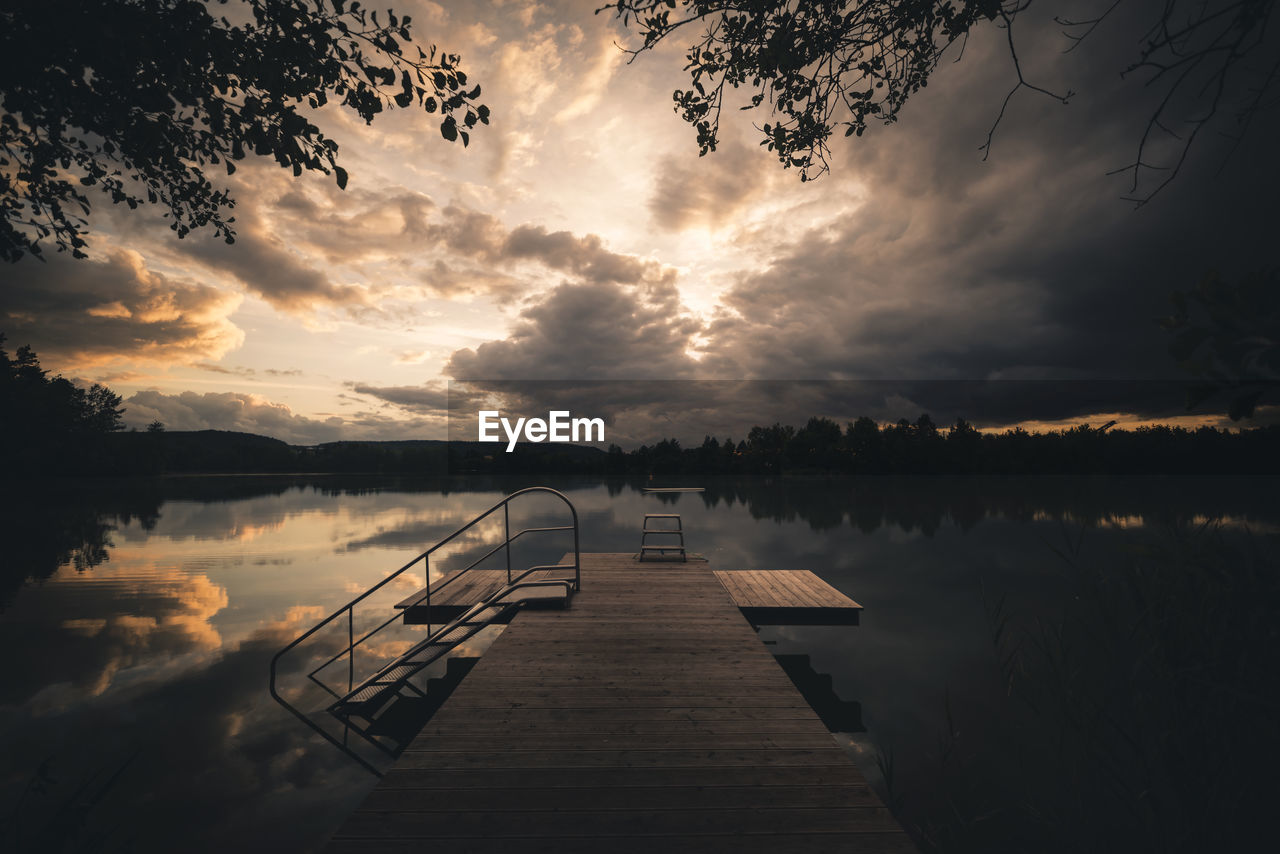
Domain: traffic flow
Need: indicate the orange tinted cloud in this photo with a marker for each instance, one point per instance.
(85, 314)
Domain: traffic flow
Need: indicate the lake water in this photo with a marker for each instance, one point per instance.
(1035, 657)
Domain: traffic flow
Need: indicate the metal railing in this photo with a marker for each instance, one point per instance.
(425, 598)
(502, 600)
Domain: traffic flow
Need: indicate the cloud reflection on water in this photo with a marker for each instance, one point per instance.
(163, 648)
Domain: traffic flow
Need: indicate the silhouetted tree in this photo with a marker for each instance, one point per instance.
(138, 97)
(862, 438)
(1228, 335)
(817, 444)
(821, 65)
(49, 424)
(767, 446)
(964, 446)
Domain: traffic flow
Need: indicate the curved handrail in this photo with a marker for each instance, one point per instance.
(425, 556)
(493, 551)
(499, 598)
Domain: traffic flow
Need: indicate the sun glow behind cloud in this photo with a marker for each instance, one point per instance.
(580, 236)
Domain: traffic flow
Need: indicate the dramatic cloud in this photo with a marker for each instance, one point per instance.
(246, 413)
(264, 263)
(251, 413)
(83, 314)
(590, 331)
(1003, 290)
(585, 256)
(433, 400)
(411, 245)
(709, 191)
(581, 237)
(359, 225)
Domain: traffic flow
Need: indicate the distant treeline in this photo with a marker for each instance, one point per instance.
(863, 446)
(820, 447)
(220, 451)
(48, 426)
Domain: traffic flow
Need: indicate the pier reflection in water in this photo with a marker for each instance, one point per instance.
(139, 618)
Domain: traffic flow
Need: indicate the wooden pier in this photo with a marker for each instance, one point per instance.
(646, 716)
(780, 597)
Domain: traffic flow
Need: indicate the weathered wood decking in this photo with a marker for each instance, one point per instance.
(793, 597)
(645, 717)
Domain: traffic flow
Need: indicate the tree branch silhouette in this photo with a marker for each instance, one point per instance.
(139, 97)
(820, 65)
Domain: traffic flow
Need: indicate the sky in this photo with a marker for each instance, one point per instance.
(580, 239)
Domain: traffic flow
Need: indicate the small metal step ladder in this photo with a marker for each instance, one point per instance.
(652, 527)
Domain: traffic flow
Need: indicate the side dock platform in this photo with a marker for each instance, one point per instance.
(781, 597)
(646, 716)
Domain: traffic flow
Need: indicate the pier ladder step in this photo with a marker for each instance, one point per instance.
(366, 699)
(655, 525)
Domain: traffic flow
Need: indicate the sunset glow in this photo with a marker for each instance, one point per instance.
(580, 236)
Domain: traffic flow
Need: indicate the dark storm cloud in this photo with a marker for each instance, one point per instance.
(115, 308)
(1021, 287)
(1028, 264)
(590, 331)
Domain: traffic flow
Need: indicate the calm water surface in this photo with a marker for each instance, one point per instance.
(139, 619)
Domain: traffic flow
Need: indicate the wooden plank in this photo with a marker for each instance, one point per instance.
(798, 587)
(520, 726)
(699, 758)
(567, 740)
(536, 779)
(824, 592)
(608, 702)
(569, 822)
(769, 582)
(645, 716)
(730, 843)
(554, 679)
(674, 593)
(435, 798)
(777, 579)
(685, 712)
(781, 597)
(781, 588)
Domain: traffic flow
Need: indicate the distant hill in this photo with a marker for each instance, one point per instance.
(821, 447)
(225, 451)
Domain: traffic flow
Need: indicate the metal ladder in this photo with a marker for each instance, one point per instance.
(370, 697)
(662, 549)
